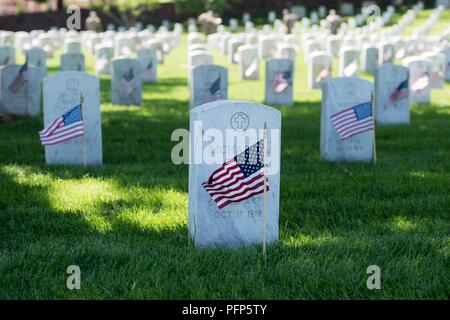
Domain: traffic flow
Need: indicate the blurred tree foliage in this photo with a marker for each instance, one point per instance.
(198, 6)
(125, 12)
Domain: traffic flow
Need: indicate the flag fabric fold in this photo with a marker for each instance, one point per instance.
(213, 93)
(64, 128)
(239, 178)
(20, 80)
(354, 120)
(282, 81)
(400, 93)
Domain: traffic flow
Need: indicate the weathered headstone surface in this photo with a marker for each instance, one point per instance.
(209, 83)
(319, 68)
(7, 55)
(392, 94)
(349, 62)
(126, 82)
(279, 82)
(72, 62)
(149, 64)
(38, 58)
(197, 58)
(419, 79)
(230, 213)
(248, 63)
(20, 90)
(346, 132)
(61, 92)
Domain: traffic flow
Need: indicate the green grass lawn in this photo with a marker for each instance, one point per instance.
(125, 223)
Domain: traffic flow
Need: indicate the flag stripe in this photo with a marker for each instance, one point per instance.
(247, 196)
(64, 133)
(63, 139)
(240, 189)
(235, 185)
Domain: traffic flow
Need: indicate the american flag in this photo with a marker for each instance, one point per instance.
(421, 83)
(400, 93)
(353, 120)
(325, 73)
(66, 127)
(213, 93)
(281, 81)
(239, 178)
(128, 83)
(20, 80)
(351, 68)
(251, 68)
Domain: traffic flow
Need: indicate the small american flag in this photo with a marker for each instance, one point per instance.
(325, 73)
(66, 127)
(421, 83)
(128, 83)
(400, 93)
(20, 80)
(239, 178)
(351, 68)
(213, 93)
(251, 68)
(353, 120)
(281, 81)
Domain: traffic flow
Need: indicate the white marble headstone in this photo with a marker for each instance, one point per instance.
(341, 137)
(419, 79)
(209, 83)
(248, 63)
(104, 55)
(234, 221)
(279, 82)
(18, 97)
(392, 94)
(61, 93)
(72, 61)
(126, 82)
(38, 58)
(149, 64)
(349, 62)
(319, 68)
(370, 58)
(7, 55)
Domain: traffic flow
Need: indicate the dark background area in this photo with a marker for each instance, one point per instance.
(167, 11)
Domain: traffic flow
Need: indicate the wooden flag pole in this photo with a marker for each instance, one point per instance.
(374, 147)
(264, 227)
(84, 128)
